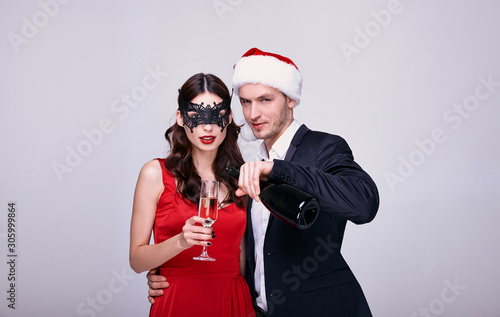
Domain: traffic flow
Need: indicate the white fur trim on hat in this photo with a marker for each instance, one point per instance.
(269, 71)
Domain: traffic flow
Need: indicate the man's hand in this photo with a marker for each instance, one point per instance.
(156, 285)
(250, 175)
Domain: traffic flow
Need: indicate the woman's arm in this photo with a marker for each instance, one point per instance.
(144, 256)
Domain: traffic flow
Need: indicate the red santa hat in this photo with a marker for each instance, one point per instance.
(258, 67)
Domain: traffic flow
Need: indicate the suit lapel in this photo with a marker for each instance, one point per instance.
(297, 139)
(250, 240)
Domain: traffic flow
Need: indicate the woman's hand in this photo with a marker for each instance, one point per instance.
(193, 234)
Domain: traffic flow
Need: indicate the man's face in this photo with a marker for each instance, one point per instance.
(267, 111)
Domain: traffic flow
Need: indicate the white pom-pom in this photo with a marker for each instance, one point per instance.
(246, 132)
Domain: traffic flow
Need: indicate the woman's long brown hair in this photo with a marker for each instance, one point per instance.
(180, 161)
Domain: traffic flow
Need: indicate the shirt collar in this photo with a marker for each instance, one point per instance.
(280, 147)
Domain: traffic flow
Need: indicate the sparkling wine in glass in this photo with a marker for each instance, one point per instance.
(208, 209)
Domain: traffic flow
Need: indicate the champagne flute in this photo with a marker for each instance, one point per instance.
(208, 209)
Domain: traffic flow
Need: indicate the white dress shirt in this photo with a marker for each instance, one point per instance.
(260, 214)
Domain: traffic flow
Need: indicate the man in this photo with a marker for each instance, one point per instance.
(294, 272)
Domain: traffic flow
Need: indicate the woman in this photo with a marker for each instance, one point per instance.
(203, 143)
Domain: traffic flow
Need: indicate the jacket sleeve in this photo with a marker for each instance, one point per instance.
(325, 168)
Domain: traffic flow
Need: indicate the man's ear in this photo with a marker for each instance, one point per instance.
(180, 121)
(290, 102)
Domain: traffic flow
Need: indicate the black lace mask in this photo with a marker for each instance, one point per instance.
(205, 114)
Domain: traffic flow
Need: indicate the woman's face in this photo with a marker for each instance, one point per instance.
(204, 137)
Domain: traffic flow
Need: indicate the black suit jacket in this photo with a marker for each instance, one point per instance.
(305, 273)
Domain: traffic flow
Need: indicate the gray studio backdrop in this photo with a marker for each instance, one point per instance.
(88, 89)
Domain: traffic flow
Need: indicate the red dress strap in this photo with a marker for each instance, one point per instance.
(167, 176)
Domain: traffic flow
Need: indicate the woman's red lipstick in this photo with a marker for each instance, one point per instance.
(207, 139)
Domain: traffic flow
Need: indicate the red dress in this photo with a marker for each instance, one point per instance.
(201, 288)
